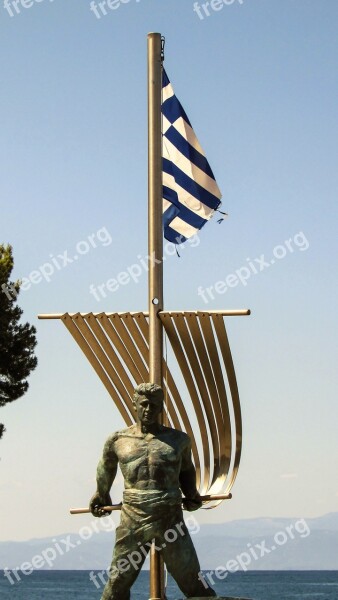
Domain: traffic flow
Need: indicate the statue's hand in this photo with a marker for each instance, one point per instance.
(192, 503)
(96, 505)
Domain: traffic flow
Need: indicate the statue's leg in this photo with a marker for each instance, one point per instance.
(126, 564)
(182, 563)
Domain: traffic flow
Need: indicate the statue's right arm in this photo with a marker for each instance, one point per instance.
(105, 475)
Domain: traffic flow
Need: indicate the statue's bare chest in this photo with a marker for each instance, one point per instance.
(149, 450)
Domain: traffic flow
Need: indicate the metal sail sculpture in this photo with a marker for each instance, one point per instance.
(126, 349)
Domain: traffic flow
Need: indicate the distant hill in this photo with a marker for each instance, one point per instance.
(256, 544)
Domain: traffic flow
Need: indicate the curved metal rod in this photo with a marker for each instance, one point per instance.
(115, 339)
(112, 357)
(220, 468)
(103, 359)
(184, 366)
(222, 395)
(120, 326)
(203, 397)
(78, 337)
(227, 357)
(176, 409)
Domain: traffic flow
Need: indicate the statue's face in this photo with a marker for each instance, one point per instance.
(148, 409)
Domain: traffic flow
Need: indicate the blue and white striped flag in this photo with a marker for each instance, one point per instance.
(190, 192)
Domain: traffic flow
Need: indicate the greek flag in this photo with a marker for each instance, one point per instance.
(190, 192)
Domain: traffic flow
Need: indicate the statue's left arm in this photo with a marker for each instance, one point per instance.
(188, 481)
(105, 475)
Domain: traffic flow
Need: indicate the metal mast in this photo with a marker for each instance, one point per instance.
(155, 250)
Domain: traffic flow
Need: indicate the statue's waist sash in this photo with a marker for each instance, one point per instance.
(151, 498)
(143, 507)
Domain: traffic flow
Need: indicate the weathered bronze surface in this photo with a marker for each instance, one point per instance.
(157, 468)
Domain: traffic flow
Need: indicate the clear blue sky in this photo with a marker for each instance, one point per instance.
(258, 80)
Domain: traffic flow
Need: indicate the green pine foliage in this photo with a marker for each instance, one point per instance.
(17, 341)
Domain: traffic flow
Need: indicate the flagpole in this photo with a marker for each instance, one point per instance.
(155, 250)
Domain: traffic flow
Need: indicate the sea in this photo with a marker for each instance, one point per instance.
(256, 585)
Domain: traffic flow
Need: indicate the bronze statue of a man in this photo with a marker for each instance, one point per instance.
(156, 465)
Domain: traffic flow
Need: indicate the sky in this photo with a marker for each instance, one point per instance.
(258, 80)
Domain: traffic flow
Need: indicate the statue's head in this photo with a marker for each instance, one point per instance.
(148, 390)
(148, 401)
